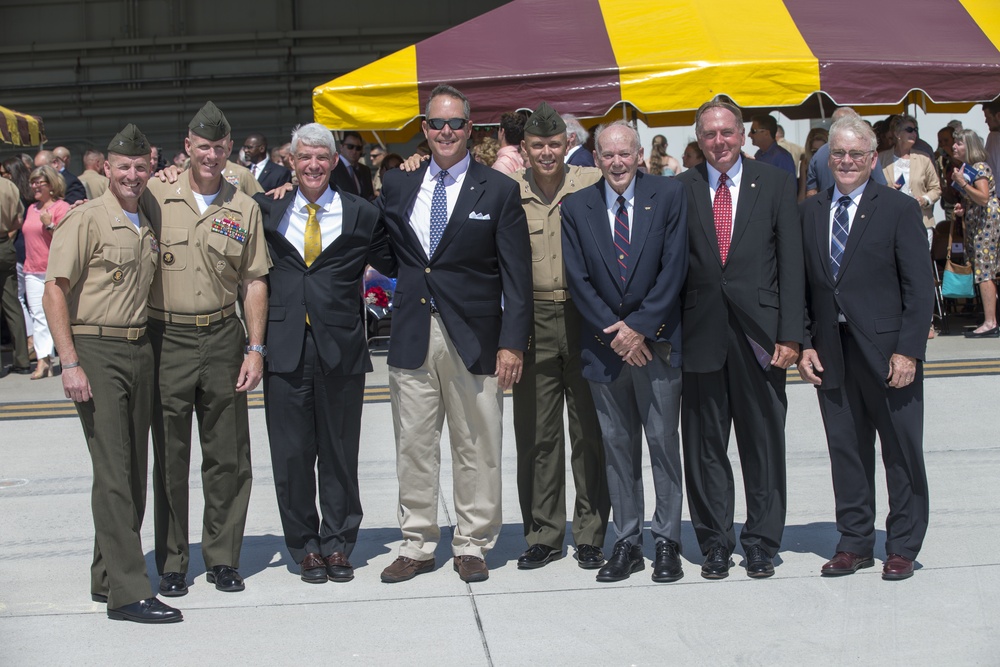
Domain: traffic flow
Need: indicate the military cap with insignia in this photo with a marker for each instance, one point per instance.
(130, 141)
(210, 123)
(545, 122)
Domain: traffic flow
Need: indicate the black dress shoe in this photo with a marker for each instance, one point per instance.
(667, 567)
(538, 555)
(759, 564)
(146, 611)
(625, 560)
(312, 569)
(589, 557)
(21, 370)
(717, 564)
(173, 585)
(225, 578)
(338, 568)
(988, 333)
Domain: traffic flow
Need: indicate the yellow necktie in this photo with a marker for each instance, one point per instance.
(313, 239)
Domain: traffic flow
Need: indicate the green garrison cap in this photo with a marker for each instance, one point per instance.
(210, 123)
(130, 141)
(545, 122)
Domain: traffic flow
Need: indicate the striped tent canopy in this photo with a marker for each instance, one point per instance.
(20, 129)
(659, 60)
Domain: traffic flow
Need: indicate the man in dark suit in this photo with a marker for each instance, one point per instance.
(576, 137)
(626, 254)
(461, 321)
(267, 173)
(320, 240)
(743, 326)
(350, 174)
(869, 300)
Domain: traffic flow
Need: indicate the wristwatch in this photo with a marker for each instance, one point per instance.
(262, 349)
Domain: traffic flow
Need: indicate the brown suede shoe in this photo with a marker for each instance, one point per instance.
(897, 567)
(338, 568)
(845, 562)
(404, 569)
(471, 568)
(312, 569)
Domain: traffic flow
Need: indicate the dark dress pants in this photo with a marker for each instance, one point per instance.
(744, 396)
(314, 423)
(852, 414)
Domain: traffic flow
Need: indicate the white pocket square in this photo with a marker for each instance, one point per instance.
(479, 216)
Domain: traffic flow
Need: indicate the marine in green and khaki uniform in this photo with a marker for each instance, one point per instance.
(100, 269)
(211, 246)
(552, 370)
(11, 217)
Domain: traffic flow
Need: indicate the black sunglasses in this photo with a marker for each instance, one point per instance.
(910, 129)
(453, 123)
(351, 147)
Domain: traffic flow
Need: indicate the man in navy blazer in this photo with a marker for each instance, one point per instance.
(626, 254)
(743, 325)
(320, 239)
(461, 321)
(870, 299)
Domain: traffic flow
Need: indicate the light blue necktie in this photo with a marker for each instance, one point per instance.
(838, 240)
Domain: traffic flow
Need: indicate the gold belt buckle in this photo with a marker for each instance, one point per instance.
(202, 320)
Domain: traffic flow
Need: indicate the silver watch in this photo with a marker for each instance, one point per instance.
(262, 349)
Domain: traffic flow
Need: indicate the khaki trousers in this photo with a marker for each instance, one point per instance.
(421, 399)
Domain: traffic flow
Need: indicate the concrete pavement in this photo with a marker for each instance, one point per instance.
(946, 614)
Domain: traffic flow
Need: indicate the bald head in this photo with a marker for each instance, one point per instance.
(844, 112)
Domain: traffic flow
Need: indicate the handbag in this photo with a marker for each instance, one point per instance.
(956, 283)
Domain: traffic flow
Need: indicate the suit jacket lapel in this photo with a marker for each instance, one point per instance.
(744, 205)
(406, 202)
(349, 222)
(703, 204)
(821, 225)
(473, 188)
(642, 216)
(866, 208)
(600, 228)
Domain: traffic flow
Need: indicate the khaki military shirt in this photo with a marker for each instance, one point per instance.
(108, 262)
(544, 223)
(11, 208)
(95, 183)
(241, 178)
(205, 256)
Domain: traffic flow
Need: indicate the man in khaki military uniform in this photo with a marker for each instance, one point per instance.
(11, 217)
(211, 245)
(101, 266)
(92, 177)
(552, 369)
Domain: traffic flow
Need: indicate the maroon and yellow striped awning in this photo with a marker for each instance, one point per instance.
(20, 129)
(664, 58)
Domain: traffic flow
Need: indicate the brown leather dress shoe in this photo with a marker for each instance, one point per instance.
(404, 569)
(845, 562)
(313, 569)
(471, 569)
(338, 568)
(897, 567)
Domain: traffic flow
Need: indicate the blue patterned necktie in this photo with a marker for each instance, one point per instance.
(838, 240)
(622, 238)
(439, 211)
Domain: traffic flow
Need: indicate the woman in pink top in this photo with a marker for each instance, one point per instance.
(40, 220)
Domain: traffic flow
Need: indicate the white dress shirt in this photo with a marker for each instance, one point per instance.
(611, 201)
(330, 216)
(851, 210)
(734, 177)
(420, 216)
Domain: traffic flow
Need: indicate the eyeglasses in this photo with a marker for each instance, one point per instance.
(757, 131)
(856, 156)
(350, 147)
(910, 129)
(453, 123)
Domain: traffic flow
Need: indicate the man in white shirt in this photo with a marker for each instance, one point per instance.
(991, 111)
